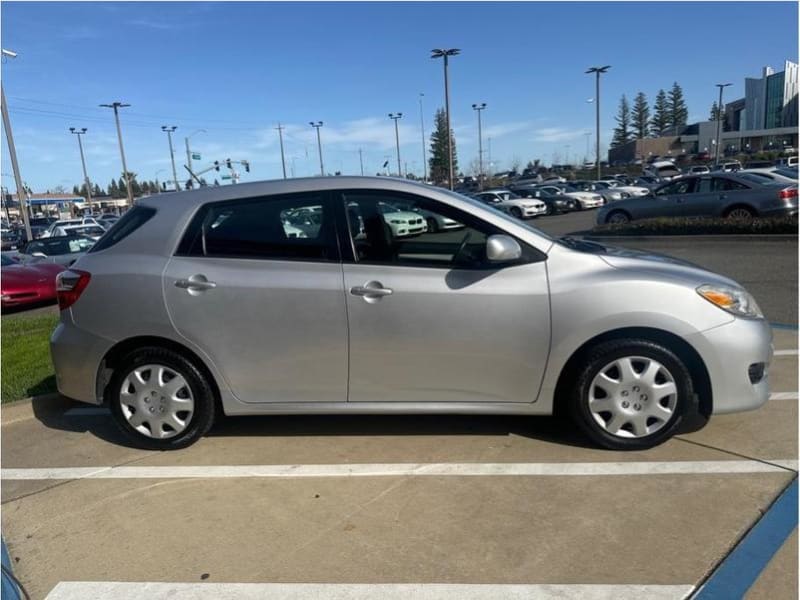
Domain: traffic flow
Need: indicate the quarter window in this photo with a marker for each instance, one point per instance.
(277, 227)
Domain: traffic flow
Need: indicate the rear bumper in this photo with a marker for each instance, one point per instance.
(729, 351)
(76, 357)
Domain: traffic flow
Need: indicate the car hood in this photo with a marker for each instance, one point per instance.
(661, 264)
(406, 216)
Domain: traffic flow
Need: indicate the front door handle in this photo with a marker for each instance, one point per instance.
(371, 291)
(195, 283)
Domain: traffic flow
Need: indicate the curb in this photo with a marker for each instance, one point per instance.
(21, 410)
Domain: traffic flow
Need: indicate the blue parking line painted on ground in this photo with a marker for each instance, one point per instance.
(739, 571)
(9, 589)
(783, 326)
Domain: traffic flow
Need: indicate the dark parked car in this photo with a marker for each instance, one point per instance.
(555, 203)
(62, 250)
(714, 195)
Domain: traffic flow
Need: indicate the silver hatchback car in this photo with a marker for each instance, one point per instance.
(302, 296)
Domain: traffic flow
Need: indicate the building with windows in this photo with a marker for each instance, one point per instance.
(765, 120)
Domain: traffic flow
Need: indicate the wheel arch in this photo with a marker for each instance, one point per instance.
(685, 351)
(119, 350)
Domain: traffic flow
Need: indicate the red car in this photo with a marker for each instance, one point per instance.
(22, 284)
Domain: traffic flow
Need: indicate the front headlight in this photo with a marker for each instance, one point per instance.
(733, 300)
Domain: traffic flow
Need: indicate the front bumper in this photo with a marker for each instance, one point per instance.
(534, 212)
(728, 352)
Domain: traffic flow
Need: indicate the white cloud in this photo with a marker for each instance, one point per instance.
(557, 134)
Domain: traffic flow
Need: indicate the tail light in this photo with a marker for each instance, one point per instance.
(788, 194)
(70, 285)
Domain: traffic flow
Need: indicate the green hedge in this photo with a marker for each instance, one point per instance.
(694, 226)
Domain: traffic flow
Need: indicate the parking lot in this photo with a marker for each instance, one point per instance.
(406, 506)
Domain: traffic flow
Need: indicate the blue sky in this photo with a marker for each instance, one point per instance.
(237, 69)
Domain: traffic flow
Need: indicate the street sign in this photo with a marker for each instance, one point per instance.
(195, 156)
(225, 177)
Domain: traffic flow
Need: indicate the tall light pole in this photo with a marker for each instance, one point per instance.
(116, 106)
(316, 126)
(12, 153)
(478, 108)
(169, 130)
(280, 129)
(189, 152)
(721, 87)
(422, 133)
(597, 71)
(79, 133)
(361, 161)
(396, 117)
(445, 53)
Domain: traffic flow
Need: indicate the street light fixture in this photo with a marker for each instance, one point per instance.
(422, 133)
(396, 117)
(445, 53)
(169, 130)
(116, 106)
(597, 71)
(316, 126)
(478, 108)
(79, 133)
(721, 86)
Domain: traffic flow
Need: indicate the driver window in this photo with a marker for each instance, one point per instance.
(407, 230)
(682, 186)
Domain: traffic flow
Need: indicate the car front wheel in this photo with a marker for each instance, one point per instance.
(630, 394)
(160, 400)
(618, 216)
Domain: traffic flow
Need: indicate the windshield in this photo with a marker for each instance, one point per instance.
(59, 245)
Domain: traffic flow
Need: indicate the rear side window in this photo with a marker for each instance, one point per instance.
(290, 227)
(128, 223)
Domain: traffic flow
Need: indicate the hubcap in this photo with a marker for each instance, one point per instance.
(633, 396)
(740, 213)
(156, 401)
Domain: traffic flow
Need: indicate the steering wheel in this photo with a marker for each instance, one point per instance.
(461, 247)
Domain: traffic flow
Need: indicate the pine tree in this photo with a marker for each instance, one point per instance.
(76, 191)
(113, 189)
(123, 189)
(660, 120)
(714, 114)
(438, 164)
(676, 106)
(641, 116)
(97, 191)
(84, 191)
(622, 132)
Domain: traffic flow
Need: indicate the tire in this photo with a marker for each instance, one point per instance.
(433, 226)
(550, 210)
(631, 423)
(516, 211)
(192, 404)
(618, 216)
(741, 213)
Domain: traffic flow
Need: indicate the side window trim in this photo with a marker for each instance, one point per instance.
(195, 225)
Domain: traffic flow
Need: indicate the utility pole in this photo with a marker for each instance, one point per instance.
(79, 133)
(169, 130)
(12, 153)
(422, 133)
(445, 53)
(721, 86)
(316, 126)
(396, 117)
(361, 161)
(280, 138)
(478, 108)
(188, 151)
(597, 71)
(116, 106)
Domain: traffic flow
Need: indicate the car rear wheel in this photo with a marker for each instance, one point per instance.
(160, 400)
(618, 216)
(741, 213)
(630, 394)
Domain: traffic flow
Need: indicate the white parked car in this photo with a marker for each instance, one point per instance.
(586, 199)
(94, 232)
(402, 223)
(634, 191)
(778, 175)
(663, 170)
(698, 170)
(68, 223)
(511, 203)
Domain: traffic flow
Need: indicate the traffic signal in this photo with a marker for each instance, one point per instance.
(246, 165)
(216, 165)
(228, 162)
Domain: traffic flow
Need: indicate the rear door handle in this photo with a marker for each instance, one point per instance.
(195, 283)
(372, 291)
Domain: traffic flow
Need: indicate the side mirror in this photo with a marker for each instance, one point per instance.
(502, 248)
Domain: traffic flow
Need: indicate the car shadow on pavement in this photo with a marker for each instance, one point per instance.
(63, 414)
